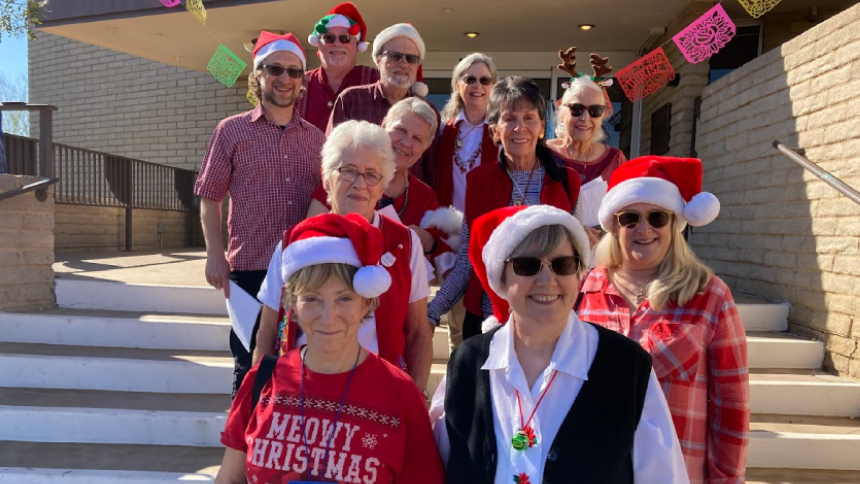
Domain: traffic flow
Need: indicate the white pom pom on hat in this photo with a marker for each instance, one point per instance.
(371, 281)
(674, 184)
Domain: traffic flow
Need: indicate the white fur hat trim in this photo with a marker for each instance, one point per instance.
(490, 324)
(511, 233)
(277, 46)
(398, 30)
(656, 191)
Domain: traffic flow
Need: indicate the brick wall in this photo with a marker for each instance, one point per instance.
(120, 104)
(83, 228)
(26, 247)
(694, 77)
(782, 232)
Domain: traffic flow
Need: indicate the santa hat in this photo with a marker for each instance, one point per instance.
(447, 220)
(673, 184)
(497, 234)
(335, 239)
(408, 31)
(269, 43)
(344, 15)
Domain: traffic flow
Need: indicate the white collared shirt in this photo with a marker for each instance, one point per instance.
(471, 142)
(657, 455)
(270, 291)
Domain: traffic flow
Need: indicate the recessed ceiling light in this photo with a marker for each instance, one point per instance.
(447, 10)
(586, 26)
(472, 35)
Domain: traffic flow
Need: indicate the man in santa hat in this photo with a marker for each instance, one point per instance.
(398, 52)
(340, 36)
(268, 161)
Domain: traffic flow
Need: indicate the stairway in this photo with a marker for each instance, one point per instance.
(104, 389)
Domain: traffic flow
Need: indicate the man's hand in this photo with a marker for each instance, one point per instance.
(218, 273)
(424, 236)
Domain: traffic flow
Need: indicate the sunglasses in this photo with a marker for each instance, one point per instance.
(277, 71)
(349, 175)
(530, 266)
(397, 57)
(595, 110)
(330, 38)
(485, 81)
(657, 218)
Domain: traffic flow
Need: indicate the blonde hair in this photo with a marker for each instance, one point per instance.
(310, 278)
(680, 277)
(455, 102)
(577, 87)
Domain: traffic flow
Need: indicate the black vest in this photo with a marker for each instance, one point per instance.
(595, 442)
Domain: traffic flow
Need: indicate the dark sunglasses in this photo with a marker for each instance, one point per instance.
(657, 218)
(330, 38)
(530, 266)
(595, 110)
(397, 57)
(485, 81)
(277, 71)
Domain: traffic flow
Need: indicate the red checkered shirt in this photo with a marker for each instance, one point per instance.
(269, 173)
(368, 103)
(699, 354)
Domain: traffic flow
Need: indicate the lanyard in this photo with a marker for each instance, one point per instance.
(525, 437)
(336, 418)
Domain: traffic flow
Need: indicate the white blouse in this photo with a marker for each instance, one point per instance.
(656, 453)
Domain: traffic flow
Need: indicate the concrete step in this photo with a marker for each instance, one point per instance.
(803, 392)
(78, 294)
(114, 369)
(783, 350)
(803, 442)
(91, 327)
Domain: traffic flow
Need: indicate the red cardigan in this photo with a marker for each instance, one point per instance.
(445, 162)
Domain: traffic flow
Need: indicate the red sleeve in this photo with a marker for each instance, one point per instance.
(421, 461)
(320, 195)
(213, 181)
(233, 435)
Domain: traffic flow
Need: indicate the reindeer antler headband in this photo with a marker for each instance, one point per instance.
(599, 66)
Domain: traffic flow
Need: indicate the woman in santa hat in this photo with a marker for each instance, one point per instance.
(546, 397)
(330, 411)
(357, 165)
(650, 286)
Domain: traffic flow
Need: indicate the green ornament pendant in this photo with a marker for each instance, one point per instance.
(520, 441)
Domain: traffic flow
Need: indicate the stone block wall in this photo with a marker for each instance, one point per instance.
(26, 247)
(84, 228)
(128, 106)
(782, 232)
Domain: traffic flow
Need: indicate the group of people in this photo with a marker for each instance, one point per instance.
(604, 354)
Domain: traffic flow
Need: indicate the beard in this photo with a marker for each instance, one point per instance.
(280, 100)
(403, 81)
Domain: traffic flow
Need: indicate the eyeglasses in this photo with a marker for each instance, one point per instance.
(330, 38)
(656, 219)
(485, 81)
(530, 266)
(397, 57)
(595, 110)
(277, 71)
(349, 175)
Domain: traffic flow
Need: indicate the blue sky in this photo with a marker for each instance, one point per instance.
(13, 56)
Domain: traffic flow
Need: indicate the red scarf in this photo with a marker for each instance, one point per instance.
(445, 164)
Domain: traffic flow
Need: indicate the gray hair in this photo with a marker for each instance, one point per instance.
(354, 136)
(455, 103)
(413, 105)
(578, 86)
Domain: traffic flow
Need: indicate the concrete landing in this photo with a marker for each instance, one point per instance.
(179, 267)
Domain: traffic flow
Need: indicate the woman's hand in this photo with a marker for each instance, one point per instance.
(425, 237)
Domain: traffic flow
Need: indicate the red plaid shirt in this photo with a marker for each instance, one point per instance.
(316, 103)
(368, 103)
(700, 357)
(269, 173)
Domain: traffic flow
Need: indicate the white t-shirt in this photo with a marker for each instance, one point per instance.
(471, 142)
(270, 291)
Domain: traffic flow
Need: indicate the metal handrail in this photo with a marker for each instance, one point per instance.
(39, 185)
(825, 175)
